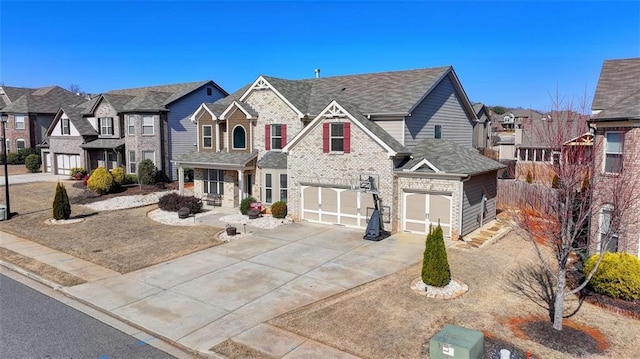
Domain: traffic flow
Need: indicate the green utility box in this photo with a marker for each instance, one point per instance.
(456, 342)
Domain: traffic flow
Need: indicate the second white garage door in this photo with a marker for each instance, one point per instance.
(64, 163)
(421, 210)
(335, 206)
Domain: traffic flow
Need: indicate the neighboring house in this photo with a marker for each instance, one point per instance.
(309, 142)
(482, 127)
(541, 141)
(616, 118)
(120, 128)
(30, 112)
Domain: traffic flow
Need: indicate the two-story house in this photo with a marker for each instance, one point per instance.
(310, 142)
(31, 111)
(120, 128)
(616, 119)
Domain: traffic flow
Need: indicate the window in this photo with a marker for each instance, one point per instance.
(209, 92)
(147, 125)
(106, 125)
(149, 155)
(613, 152)
(283, 187)
(337, 137)
(65, 127)
(132, 162)
(20, 144)
(239, 138)
(19, 122)
(207, 138)
(438, 132)
(214, 181)
(276, 137)
(8, 144)
(268, 188)
(608, 236)
(131, 125)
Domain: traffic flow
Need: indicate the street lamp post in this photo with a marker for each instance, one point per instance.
(4, 118)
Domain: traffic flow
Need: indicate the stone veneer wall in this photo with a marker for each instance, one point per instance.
(230, 197)
(432, 185)
(308, 164)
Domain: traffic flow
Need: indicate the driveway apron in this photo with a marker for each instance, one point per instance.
(224, 292)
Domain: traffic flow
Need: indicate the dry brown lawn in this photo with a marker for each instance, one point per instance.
(123, 240)
(42, 269)
(14, 170)
(386, 319)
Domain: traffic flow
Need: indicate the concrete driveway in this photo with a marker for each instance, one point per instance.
(33, 177)
(231, 290)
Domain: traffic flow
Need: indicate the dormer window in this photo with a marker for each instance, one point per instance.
(239, 138)
(209, 91)
(106, 125)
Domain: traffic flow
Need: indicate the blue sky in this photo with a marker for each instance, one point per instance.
(511, 53)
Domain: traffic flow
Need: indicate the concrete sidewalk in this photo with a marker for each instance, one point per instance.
(229, 292)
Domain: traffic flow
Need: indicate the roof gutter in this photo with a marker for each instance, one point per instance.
(460, 211)
(401, 114)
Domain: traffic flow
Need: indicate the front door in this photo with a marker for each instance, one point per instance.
(248, 185)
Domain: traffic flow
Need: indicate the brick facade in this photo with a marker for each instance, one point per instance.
(13, 134)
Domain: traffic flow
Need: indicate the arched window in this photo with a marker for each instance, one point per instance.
(20, 144)
(239, 138)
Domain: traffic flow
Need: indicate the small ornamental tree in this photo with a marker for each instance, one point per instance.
(100, 181)
(61, 206)
(147, 172)
(435, 265)
(32, 163)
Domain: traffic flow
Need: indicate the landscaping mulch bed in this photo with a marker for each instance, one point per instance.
(84, 195)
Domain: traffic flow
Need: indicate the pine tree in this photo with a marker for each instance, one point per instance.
(61, 205)
(435, 265)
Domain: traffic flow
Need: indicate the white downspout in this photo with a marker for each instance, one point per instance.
(240, 186)
(181, 180)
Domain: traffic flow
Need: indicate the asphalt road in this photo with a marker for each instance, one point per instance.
(33, 325)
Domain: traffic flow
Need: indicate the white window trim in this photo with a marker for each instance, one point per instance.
(154, 156)
(101, 122)
(66, 121)
(130, 162)
(281, 188)
(131, 125)
(233, 138)
(23, 122)
(607, 207)
(153, 130)
(23, 141)
(272, 136)
(204, 136)
(604, 152)
(332, 137)
(271, 187)
(219, 181)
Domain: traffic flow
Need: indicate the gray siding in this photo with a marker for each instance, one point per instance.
(182, 133)
(393, 127)
(43, 123)
(472, 197)
(442, 107)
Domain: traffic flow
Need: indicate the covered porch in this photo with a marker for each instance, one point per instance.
(104, 152)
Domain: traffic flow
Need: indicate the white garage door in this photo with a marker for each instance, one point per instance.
(335, 206)
(48, 162)
(64, 163)
(421, 210)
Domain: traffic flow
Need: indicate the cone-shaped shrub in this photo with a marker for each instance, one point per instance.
(61, 206)
(435, 265)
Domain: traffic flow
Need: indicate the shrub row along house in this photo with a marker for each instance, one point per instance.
(308, 142)
(120, 128)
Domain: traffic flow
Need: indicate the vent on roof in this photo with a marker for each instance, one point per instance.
(317, 71)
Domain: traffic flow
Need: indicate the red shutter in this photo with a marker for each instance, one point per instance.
(267, 137)
(284, 135)
(347, 137)
(325, 137)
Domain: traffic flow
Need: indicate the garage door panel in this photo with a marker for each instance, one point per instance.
(349, 221)
(440, 209)
(65, 162)
(332, 206)
(415, 227)
(311, 216)
(349, 202)
(329, 198)
(329, 218)
(416, 207)
(310, 195)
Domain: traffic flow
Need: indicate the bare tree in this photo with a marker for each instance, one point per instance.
(558, 224)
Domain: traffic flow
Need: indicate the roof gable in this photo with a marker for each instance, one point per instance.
(618, 80)
(74, 114)
(44, 100)
(261, 84)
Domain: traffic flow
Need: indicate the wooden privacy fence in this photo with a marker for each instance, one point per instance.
(517, 194)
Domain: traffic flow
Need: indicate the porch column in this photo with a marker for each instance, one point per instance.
(181, 180)
(240, 186)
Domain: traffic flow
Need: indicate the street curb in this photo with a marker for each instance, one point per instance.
(62, 290)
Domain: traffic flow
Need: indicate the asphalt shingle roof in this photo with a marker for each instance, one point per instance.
(74, 113)
(176, 91)
(104, 143)
(274, 160)
(44, 100)
(228, 159)
(554, 130)
(450, 157)
(12, 93)
(618, 90)
(219, 106)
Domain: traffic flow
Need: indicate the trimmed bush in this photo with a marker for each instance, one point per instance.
(13, 158)
(100, 181)
(147, 172)
(118, 175)
(435, 265)
(77, 171)
(32, 162)
(61, 205)
(172, 202)
(130, 178)
(618, 275)
(245, 205)
(279, 209)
